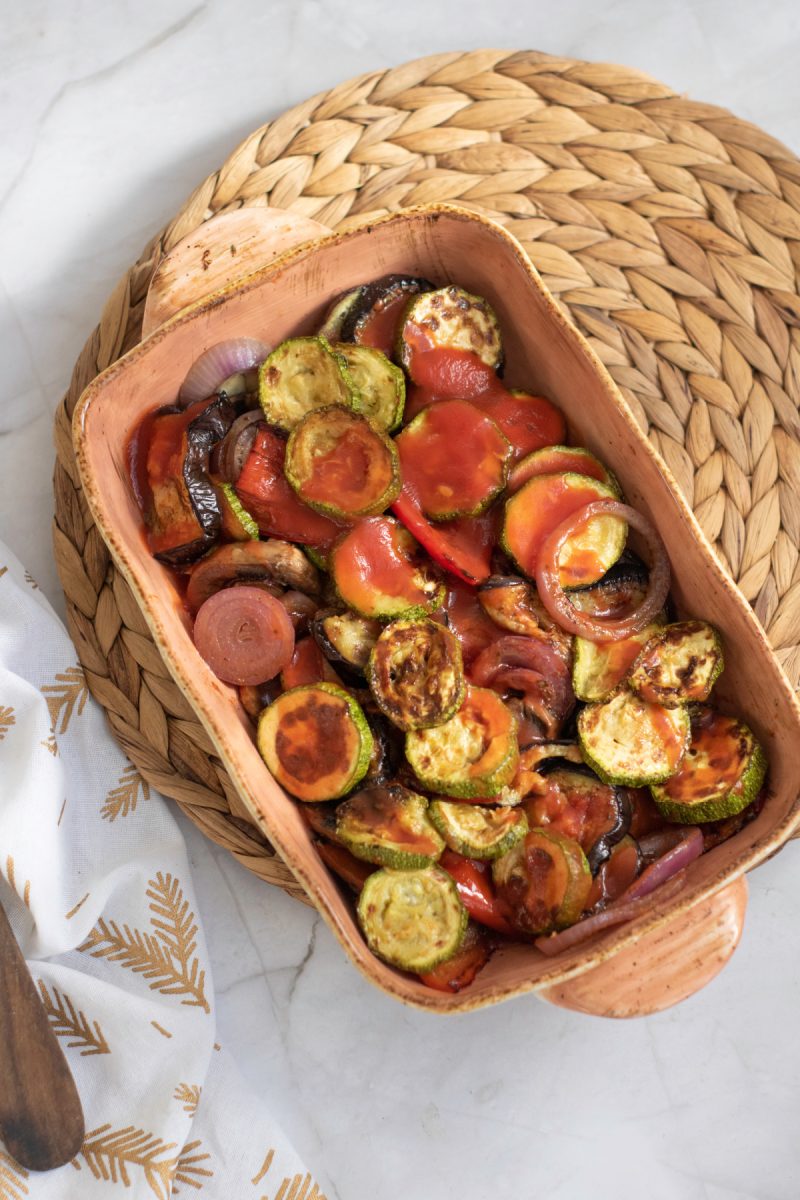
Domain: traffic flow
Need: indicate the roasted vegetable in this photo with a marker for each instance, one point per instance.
(351, 870)
(380, 572)
(599, 667)
(475, 753)
(273, 562)
(544, 880)
(477, 831)
(513, 604)
(577, 804)
(346, 637)
(452, 319)
(244, 634)
(300, 375)
(539, 507)
(459, 971)
(388, 826)
(618, 593)
(308, 665)
(463, 547)
(335, 317)
(557, 460)
(316, 741)
(528, 422)
(535, 667)
(628, 741)
(416, 674)
(381, 386)
(722, 772)
(444, 483)
(183, 515)
(412, 919)
(680, 663)
(373, 316)
(237, 524)
(340, 465)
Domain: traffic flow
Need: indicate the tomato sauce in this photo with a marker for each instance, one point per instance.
(379, 329)
(353, 475)
(375, 561)
(554, 460)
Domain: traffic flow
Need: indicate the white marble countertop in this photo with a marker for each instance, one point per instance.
(109, 115)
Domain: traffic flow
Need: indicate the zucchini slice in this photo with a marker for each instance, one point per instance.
(416, 674)
(380, 572)
(300, 375)
(339, 465)
(721, 774)
(599, 667)
(556, 460)
(544, 880)
(541, 505)
(679, 664)
(628, 741)
(381, 386)
(412, 919)
(346, 637)
(315, 741)
(237, 523)
(452, 319)
(575, 803)
(514, 604)
(476, 831)
(388, 826)
(475, 753)
(373, 318)
(454, 460)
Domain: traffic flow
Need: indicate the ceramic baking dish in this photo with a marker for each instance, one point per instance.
(652, 961)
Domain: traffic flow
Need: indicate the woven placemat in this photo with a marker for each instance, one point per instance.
(668, 228)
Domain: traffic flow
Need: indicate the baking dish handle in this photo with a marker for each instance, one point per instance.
(663, 967)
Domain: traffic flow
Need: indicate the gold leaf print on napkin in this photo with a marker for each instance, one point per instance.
(166, 958)
(123, 799)
(111, 1153)
(68, 1021)
(7, 719)
(68, 693)
(29, 579)
(11, 876)
(188, 1094)
(3, 571)
(294, 1187)
(50, 744)
(12, 1177)
(188, 1170)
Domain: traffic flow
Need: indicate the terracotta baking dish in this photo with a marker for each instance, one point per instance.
(678, 945)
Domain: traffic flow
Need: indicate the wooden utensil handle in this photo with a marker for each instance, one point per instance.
(663, 967)
(41, 1119)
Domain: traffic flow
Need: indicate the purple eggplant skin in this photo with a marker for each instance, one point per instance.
(380, 293)
(202, 434)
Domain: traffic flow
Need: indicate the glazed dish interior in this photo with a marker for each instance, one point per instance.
(543, 353)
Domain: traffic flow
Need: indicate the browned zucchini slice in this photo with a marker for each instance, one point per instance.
(300, 375)
(346, 637)
(412, 919)
(477, 831)
(381, 572)
(381, 386)
(599, 667)
(416, 674)
(680, 664)
(339, 465)
(473, 754)
(545, 881)
(514, 604)
(722, 772)
(316, 741)
(449, 318)
(628, 741)
(388, 826)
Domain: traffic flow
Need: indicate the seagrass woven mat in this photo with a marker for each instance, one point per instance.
(670, 231)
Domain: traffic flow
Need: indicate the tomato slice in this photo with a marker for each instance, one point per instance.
(264, 490)
(244, 634)
(462, 546)
(445, 483)
(476, 890)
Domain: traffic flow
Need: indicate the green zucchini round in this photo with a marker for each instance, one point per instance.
(416, 674)
(628, 741)
(412, 919)
(340, 465)
(477, 831)
(380, 384)
(474, 754)
(300, 375)
(388, 826)
(679, 664)
(723, 771)
(449, 319)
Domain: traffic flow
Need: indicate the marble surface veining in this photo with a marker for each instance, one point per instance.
(109, 115)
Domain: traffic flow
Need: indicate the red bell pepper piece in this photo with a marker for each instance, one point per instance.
(474, 882)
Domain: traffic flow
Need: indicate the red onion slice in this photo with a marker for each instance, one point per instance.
(556, 600)
(229, 456)
(217, 364)
(618, 913)
(674, 861)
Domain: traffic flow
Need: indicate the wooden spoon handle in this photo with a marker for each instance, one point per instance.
(41, 1119)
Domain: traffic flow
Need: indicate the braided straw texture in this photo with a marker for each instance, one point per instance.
(667, 228)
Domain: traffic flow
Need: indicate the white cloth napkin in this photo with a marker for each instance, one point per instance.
(95, 879)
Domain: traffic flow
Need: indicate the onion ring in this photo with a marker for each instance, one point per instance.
(217, 364)
(558, 603)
